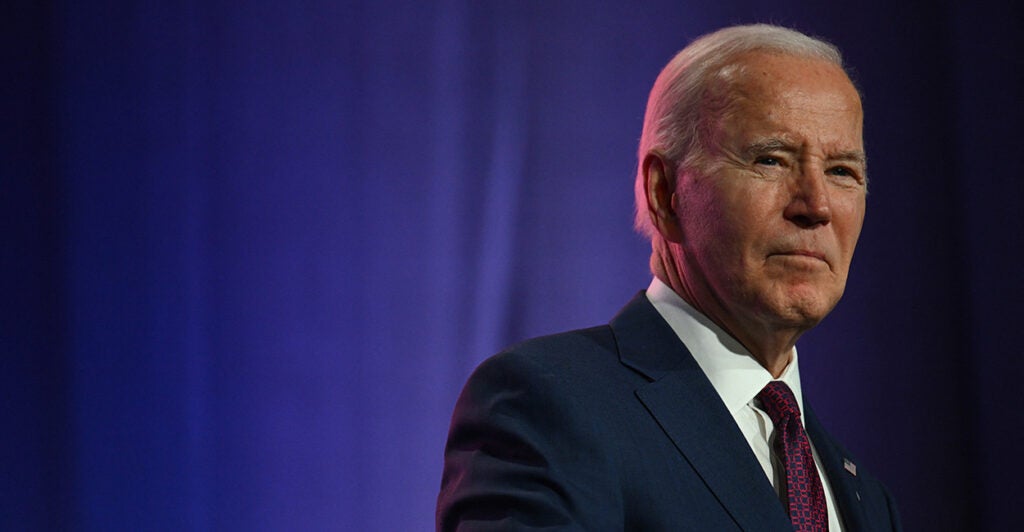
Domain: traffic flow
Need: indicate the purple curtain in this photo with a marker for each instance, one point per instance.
(251, 251)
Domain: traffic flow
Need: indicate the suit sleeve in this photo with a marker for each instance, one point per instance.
(522, 454)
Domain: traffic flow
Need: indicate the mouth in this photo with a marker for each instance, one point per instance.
(802, 254)
(806, 253)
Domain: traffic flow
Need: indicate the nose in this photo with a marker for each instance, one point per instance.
(809, 204)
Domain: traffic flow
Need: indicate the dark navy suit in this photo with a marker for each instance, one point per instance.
(617, 428)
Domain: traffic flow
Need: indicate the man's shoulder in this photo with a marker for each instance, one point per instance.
(585, 341)
(576, 351)
(636, 316)
(571, 361)
(636, 343)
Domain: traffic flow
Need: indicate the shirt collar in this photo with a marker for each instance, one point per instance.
(732, 370)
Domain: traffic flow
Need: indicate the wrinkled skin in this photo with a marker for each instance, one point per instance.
(760, 236)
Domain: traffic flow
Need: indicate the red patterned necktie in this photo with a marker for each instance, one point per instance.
(805, 498)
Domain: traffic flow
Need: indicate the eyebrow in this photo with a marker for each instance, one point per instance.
(780, 145)
(759, 147)
(854, 156)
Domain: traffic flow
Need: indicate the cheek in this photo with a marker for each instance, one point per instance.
(748, 217)
(719, 226)
(723, 223)
(849, 219)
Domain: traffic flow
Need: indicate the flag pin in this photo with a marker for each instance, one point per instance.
(850, 466)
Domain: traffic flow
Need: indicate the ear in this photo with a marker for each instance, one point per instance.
(659, 185)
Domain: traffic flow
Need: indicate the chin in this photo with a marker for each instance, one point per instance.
(803, 310)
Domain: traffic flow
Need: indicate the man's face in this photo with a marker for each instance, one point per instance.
(770, 220)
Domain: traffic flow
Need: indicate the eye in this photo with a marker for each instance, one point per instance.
(842, 171)
(767, 160)
(845, 174)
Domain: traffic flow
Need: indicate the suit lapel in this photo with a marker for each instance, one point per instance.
(689, 410)
(841, 473)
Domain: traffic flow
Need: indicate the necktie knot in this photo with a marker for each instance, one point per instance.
(779, 403)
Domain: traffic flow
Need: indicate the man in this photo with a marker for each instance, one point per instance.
(686, 412)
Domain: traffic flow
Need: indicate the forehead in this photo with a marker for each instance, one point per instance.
(786, 92)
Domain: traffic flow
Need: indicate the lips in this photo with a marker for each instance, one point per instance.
(806, 253)
(810, 254)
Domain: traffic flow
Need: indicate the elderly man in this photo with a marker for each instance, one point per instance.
(686, 412)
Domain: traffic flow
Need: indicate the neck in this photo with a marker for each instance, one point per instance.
(771, 346)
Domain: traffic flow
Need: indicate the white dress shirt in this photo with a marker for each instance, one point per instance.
(738, 378)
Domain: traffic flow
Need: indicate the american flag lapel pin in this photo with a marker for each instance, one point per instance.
(850, 466)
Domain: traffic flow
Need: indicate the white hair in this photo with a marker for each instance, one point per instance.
(676, 106)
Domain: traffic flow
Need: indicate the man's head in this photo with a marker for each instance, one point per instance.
(752, 182)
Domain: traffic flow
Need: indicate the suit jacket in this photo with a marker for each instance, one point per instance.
(617, 428)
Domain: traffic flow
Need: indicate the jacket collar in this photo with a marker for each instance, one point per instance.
(686, 406)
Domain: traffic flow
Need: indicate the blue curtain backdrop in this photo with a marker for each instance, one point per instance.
(252, 250)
